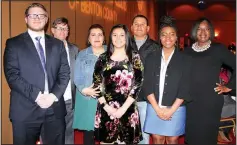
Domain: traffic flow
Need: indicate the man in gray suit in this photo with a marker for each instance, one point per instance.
(60, 30)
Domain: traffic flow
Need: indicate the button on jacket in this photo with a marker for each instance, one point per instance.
(177, 77)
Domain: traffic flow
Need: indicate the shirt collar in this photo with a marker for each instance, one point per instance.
(34, 34)
(141, 40)
(163, 55)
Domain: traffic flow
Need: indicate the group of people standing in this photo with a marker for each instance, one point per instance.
(116, 92)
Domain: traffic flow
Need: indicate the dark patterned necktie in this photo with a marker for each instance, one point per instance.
(42, 59)
(40, 52)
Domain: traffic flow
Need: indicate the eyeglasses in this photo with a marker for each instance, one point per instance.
(203, 29)
(35, 16)
(62, 29)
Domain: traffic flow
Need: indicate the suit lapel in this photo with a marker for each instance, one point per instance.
(48, 49)
(32, 49)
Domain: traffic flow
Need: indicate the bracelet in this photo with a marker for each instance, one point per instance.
(103, 104)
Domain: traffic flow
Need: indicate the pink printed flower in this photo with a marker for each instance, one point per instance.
(116, 121)
(114, 104)
(134, 119)
(123, 81)
(97, 120)
(124, 85)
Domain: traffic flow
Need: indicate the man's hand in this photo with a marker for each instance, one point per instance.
(45, 100)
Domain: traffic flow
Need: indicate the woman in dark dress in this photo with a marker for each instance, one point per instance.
(119, 75)
(204, 112)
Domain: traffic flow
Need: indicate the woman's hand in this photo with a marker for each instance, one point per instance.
(167, 113)
(160, 114)
(90, 91)
(119, 113)
(221, 89)
(110, 110)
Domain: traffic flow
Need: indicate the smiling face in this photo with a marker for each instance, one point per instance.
(140, 28)
(168, 37)
(118, 38)
(36, 19)
(203, 32)
(96, 37)
(60, 31)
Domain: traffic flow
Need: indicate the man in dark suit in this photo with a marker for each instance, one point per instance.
(60, 30)
(37, 71)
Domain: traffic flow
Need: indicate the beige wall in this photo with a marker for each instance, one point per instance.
(81, 14)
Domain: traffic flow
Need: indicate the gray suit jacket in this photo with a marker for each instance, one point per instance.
(73, 51)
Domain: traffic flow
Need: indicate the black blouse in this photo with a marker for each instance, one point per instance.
(177, 79)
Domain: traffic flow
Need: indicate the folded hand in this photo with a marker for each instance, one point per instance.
(119, 113)
(167, 113)
(45, 100)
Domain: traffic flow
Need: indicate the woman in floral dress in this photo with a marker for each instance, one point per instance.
(119, 74)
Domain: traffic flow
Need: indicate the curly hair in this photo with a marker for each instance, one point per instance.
(167, 21)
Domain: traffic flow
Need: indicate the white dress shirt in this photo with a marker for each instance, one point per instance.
(68, 92)
(33, 35)
(163, 68)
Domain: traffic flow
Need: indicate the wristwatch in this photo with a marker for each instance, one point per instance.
(103, 104)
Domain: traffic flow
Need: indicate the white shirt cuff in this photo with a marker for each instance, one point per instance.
(55, 98)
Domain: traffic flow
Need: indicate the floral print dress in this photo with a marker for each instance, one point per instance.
(117, 81)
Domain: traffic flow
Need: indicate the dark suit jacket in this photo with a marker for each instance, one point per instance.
(73, 51)
(25, 76)
(177, 78)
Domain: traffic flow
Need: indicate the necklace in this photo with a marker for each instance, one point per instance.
(198, 48)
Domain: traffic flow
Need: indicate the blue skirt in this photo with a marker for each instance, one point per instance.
(174, 127)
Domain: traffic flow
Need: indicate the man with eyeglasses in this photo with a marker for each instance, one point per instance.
(37, 71)
(60, 30)
(144, 45)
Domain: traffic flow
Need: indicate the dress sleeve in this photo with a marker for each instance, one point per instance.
(138, 76)
(228, 59)
(184, 84)
(98, 75)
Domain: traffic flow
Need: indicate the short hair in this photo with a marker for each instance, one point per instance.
(95, 26)
(167, 21)
(33, 5)
(196, 25)
(128, 46)
(141, 16)
(60, 20)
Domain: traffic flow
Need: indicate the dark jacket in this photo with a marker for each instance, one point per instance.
(150, 46)
(73, 51)
(177, 79)
(26, 78)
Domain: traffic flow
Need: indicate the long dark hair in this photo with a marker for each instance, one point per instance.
(128, 47)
